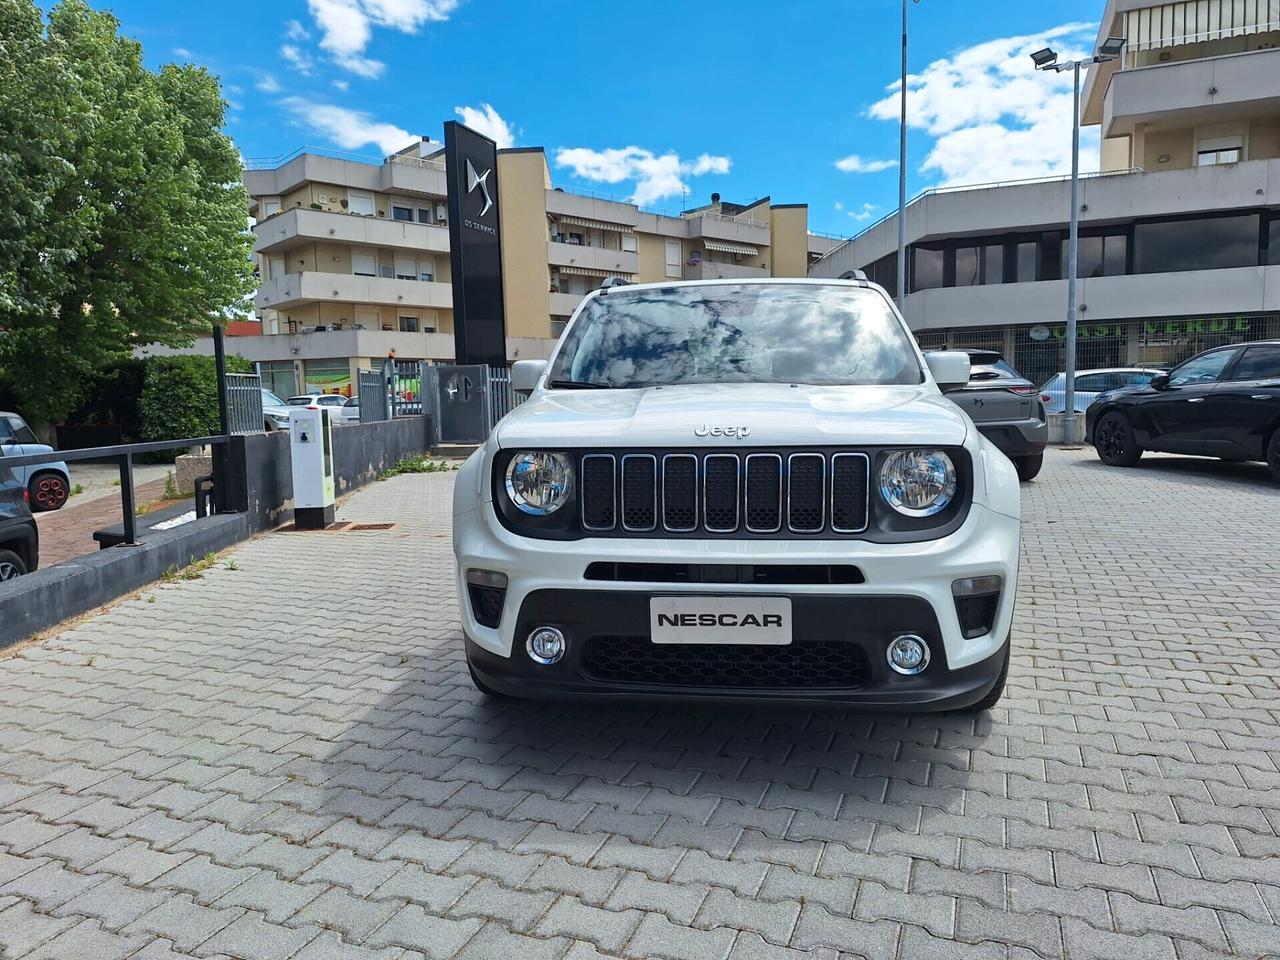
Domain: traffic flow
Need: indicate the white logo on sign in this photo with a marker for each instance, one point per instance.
(480, 180)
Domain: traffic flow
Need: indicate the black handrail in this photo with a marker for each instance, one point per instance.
(123, 454)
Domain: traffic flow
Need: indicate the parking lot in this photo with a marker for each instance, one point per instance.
(284, 758)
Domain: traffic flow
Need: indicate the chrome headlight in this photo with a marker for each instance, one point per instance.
(539, 483)
(918, 483)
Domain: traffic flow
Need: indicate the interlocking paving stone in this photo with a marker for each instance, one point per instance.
(250, 765)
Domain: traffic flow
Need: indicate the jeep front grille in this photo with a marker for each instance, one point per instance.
(749, 493)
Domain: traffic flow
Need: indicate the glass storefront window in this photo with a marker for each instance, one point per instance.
(1026, 267)
(993, 263)
(277, 376)
(966, 266)
(1208, 243)
(327, 376)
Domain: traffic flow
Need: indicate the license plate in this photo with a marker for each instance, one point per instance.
(755, 620)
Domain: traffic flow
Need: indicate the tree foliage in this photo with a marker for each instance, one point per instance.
(122, 216)
(180, 397)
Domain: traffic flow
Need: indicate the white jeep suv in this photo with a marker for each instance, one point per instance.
(739, 489)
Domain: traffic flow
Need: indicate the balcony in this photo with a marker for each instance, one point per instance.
(563, 304)
(295, 289)
(742, 231)
(292, 227)
(722, 271)
(1188, 92)
(397, 174)
(605, 262)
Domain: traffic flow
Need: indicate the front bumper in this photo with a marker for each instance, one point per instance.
(837, 656)
(986, 544)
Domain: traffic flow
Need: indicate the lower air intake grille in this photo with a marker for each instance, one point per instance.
(810, 665)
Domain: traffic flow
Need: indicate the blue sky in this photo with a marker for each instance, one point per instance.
(656, 101)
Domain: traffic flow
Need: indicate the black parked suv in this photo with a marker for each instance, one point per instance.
(19, 538)
(1222, 403)
(1006, 408)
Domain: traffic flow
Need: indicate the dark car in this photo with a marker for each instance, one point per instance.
(19, 538)
(1222, 403)
(1006, 408)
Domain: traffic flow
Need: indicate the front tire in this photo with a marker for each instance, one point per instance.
(996, 692)
(1028, 467)
(1114, 440)
(12, 566)
(1273, 455)
(48, 491)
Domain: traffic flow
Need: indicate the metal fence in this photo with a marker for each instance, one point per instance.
(372, 390)
(502, 399)
(244, 403)
(405, 378)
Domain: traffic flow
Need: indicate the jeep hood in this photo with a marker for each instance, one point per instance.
(775, 414)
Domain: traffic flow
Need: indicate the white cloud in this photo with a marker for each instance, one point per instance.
(298, 59)
(346, 26)
(839, 206)
(296, 31)
(865, 213)
(349, 129)
(267, 83)
(993, 116)
(656, 177)
(855, 164)
(484, 119)
(182, 52)
(341, 85)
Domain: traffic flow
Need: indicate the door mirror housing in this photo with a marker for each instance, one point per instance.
(525, 374)
(1160, 381)
(950, 368)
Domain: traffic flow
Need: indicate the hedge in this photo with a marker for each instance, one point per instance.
(180, 396)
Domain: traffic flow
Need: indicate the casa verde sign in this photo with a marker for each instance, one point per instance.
(1238, 326)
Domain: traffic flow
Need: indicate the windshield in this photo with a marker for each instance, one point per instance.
(271, 400)
(736, 333)
(299, 401)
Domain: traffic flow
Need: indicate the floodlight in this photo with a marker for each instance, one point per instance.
(1044, 58)
(1112, 46)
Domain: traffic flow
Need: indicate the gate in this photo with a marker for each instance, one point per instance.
(373, 396)
(244, 403)
(460, 402)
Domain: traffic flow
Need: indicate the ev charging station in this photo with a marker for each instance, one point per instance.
(311, 450)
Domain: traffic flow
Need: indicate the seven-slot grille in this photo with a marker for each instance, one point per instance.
(749, 493)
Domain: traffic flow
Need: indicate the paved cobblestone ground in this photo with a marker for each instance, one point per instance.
(286, 760)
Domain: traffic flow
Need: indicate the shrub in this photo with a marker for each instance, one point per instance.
(180, 397)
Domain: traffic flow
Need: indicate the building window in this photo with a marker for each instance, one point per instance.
(629, 242)
(1204, 243)
(403, 214)
(993, 263)
(408, 324)
(1025, 268)
(1273, 240)
(1208, 158)
(360, 202)
(1099, 256)
(424, 215)
(967, 266)
(270, 207)
(275, 267)
(278, 377)
(926, 268)
(1050, 256)
(364, 264)
(406, 267)
(327, 376)
(673, 259)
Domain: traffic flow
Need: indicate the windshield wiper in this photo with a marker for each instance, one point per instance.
(577, 385)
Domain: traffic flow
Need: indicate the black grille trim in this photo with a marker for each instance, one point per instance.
(767, 501)
(599, 468)
(804, 502)
(715, 502)
(677, 503)
(803, 665)
(639, 492)
(850, 468)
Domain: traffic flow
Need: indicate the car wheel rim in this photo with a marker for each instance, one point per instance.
(7, 571)
(1112, 439)
(50, 492)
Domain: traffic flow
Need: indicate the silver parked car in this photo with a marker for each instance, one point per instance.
(1091, 383)
(334, 402)
(275, 412)
(1003, 405)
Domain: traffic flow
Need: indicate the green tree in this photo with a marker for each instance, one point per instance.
(122, 216)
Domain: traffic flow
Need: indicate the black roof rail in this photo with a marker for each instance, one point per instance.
(614, 282)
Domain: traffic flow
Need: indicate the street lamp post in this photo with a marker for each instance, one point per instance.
(1046, 59)
(902, 172)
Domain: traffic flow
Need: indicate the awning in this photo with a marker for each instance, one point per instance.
(1195, 21)
(594, 272)
(595, 224)
(724, 246)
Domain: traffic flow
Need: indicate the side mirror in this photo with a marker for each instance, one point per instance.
(525, 374)
(1160, 381)
(950, 368)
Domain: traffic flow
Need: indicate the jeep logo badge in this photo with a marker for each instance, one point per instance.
(705, 431)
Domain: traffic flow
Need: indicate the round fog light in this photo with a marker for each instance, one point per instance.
(908, 654)
(545, 645)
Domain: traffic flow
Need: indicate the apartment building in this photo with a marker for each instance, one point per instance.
(1180, 229)
(354, 266)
